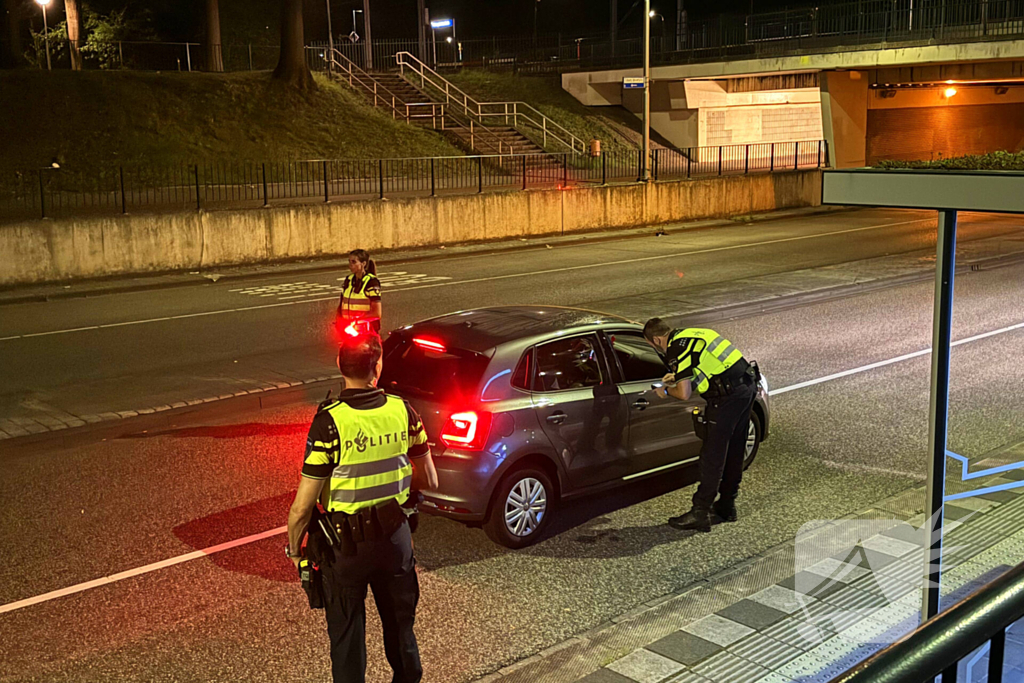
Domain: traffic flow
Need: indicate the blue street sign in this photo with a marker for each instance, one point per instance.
(441, 23)
(633, 82)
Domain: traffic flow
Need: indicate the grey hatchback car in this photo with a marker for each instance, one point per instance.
(527, 406)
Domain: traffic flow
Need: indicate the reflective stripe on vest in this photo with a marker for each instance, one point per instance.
(354, 302)
(373, 466)
(715, 357)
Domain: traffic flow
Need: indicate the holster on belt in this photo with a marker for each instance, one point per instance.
(372, 524)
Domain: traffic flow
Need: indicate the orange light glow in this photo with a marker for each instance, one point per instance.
(949, 92)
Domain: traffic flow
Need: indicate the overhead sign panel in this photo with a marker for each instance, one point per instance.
(633, 82)
(441, 23)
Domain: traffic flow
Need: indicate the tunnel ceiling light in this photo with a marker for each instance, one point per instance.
(949, 92)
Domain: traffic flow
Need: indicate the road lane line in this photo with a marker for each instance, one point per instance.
(113, 578)
(452, 283)
(121, 576)
(898, 359)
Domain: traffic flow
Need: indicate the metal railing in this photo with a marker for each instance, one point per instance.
(67, 192)
(520, 114)
(938, 645)
(478, 136)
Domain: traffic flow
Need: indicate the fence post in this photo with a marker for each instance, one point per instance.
(746, 160)
(197, 188)
(42, 196)
(654, 164)
(380, 176)
(819, 153)
(120, 54)
(796, 156)
(524, 171)
(719, 160)
(250, 56)
(565, 170)
(480, 174)
(771, 163)
(432, 186)
(327, 195)
(266, 200)
(124, 206)
(188, 56)
(604, 169)
(639, 165)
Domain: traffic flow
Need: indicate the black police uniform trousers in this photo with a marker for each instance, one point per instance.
(389, 568)
(721, 458)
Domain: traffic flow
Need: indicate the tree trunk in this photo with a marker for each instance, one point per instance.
(74, 33)
(214, 52)
(291, 67)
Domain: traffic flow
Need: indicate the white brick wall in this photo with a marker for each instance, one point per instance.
(771, 123)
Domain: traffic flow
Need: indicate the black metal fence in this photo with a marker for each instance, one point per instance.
(66, 192)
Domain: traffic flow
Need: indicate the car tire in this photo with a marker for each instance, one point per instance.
(512, 525)
(755, 430)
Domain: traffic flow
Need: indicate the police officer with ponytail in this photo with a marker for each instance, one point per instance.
(365, 452)
(360, 292)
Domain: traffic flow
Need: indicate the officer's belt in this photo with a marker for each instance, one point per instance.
(725, 382)
(376, 523)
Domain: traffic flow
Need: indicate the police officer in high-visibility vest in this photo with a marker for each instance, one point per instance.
(702, 360)
(360, 292)
(364, 452)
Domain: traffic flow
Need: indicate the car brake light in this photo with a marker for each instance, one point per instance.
(429, 344)
(467, 430)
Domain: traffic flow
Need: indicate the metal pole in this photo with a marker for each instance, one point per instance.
(524, 171)
(42, 196)
(746, 159)
(480, 174)
(250, 56)
(719, 160)
(330, 37)
(197, 188)
(604, 169)
(380, 176)
(266, 200)
(771, 166)
(565, 170)
(939, 406)
(432, 186)
(327, 195)
(796, 156)
(46, 37)
(644, 174)
(188, 56)
(124, 205)
(996, 655)
(369, 40)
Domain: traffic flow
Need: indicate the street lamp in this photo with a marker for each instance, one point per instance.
(645, 175)
(46, 32)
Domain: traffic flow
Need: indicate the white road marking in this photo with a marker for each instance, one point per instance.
(492, 278)
(121, 576)
(78, 588)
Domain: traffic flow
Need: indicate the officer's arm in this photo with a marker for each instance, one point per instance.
(419, 454)
(302, 511)
(373, 294)
(682, 390)
(424, 469)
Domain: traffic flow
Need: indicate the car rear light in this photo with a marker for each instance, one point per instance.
(429, 344)
(467, 430)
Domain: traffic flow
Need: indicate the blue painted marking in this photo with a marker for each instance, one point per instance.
(966, 475)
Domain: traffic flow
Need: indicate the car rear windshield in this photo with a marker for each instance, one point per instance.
(430, 370)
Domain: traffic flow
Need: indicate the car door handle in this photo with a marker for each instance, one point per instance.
(556, 418)
(640, 404)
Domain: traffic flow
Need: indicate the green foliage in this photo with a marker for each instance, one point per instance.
(994, 161)
(36, 54)
(103, 33)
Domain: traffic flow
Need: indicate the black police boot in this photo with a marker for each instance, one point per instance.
(726, 509)
(697, 519)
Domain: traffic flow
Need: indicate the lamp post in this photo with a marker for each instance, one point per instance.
(645, 163)
(330, 36)
(443, 23)
(46, 32)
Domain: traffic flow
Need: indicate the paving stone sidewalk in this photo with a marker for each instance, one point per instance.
(809, 609)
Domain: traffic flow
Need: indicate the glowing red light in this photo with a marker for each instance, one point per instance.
(429, 344)
(467, 430)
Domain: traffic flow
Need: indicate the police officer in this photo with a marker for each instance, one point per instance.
(704, 361)
(359, 464)
(360, 292)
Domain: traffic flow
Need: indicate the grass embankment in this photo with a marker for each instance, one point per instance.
(546, 94)
(96, 119)
(994, 161)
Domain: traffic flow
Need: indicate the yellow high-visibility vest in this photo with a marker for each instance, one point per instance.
(703, 351)
(373, 463)
(355, 296)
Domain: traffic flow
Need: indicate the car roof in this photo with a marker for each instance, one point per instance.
(481, 329)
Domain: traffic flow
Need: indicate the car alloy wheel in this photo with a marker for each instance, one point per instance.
(525, 507)
(751, 438)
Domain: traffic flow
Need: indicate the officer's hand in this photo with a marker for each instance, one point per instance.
(670, 378)
(296, 561)
(661, 392)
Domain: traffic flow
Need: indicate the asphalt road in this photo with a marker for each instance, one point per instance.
(139, 349)
(72, 515)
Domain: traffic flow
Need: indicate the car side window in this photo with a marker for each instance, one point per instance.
(571, 363)
(638, 359)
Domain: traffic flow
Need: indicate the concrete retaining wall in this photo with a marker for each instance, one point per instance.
(60, 250)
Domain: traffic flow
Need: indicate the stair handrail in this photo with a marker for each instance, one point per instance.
(356, 74)
(369, 83)
(548, 126)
